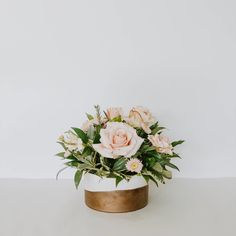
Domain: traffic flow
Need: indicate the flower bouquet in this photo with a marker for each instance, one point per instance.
(117, 155)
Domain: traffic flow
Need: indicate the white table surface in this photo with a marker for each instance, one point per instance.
(181, 207)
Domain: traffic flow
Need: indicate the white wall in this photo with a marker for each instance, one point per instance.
(59, 58)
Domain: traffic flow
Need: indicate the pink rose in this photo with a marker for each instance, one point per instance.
(114, 112)
(118, 139)
(161, 143)
(141, 117)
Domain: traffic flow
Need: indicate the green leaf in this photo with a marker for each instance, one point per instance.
(150, 161)
(97, 135)
(151, 176)
(157, 167)
(146, 177)
(85, 166)
(156, 155)
(90, 132)
(157, 130)
(153, 179)
(90, 117)
(175, 155)
(58, 173)
(118, 180)
(103, 163)
(62, 144)
(81, 134)
(117, 119)
(72, 163)
(167, 174)
(146, 148)
(172, 166)
(77, 177)
(86, 152)
(60, 154)
(119, 165)
(175, 143)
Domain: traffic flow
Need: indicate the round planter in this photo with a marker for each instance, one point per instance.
(101, 194)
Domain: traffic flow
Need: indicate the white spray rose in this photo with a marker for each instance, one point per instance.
(161, 143)
(141, 117)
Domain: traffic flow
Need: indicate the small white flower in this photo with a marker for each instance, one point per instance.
(134, 165)
(71, 141)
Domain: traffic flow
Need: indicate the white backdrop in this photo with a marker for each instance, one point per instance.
(59, 58)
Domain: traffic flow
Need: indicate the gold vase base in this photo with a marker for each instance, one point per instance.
(117, 201)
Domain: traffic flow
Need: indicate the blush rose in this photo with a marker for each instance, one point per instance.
(118, 139)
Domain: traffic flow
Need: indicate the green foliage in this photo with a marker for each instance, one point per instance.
(167, 174)
(104, 163)
(117, 119)
(77, 177)
(87, 151)
(91, 132)
(157, 167)
(151, 176)
(81, 134)
(60, 154)
(97, 134)
(90, 117)
(175, 143)
(120, 164)
(172, 166)
(118, 180)
(157, 130)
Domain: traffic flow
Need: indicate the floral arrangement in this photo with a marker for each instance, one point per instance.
(115, 145)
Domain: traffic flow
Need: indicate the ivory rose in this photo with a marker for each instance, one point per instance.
(118, 139)
(134, 165)
(114, 112)
(141, 117)
(161, 143)
(71, 142)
